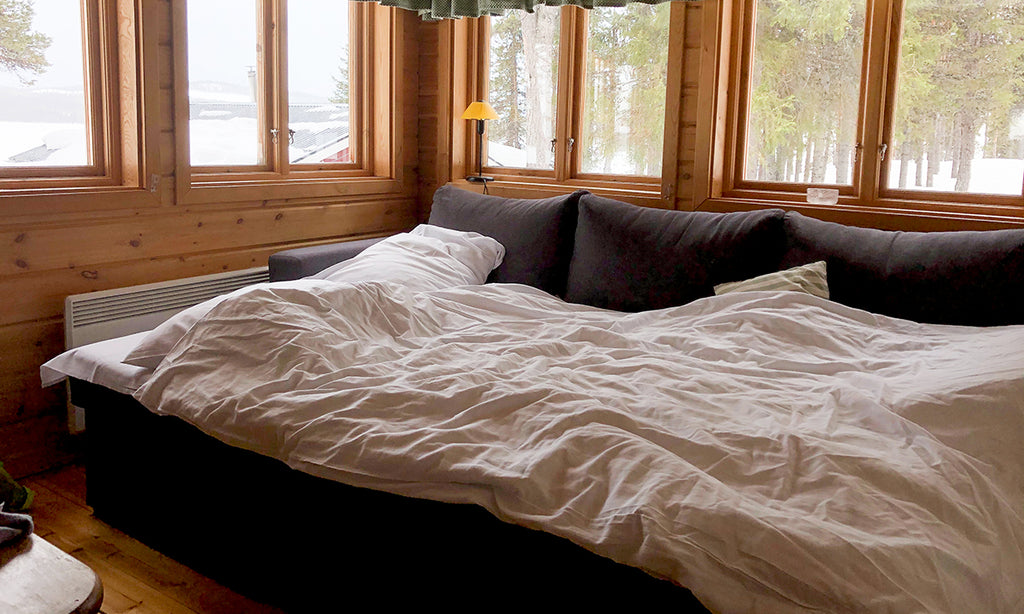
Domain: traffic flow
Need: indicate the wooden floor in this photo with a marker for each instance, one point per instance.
(136, 579)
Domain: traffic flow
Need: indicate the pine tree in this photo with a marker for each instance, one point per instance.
(22, 51)
(507, 95)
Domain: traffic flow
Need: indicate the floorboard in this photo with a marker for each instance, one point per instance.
(136, 579)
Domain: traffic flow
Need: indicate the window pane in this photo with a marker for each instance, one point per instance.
(224, 77)
(804, 91)
(624, 90)
(958, 123)
(43, 108)
(318, 82)
(523, 88)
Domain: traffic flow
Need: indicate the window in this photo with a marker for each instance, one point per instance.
(523, 75)
(803, 92)
(283, 98)
(257, 103)
(67, 87)
(891, 103)
(579, 93)
(624, 81)
(957, 123)
(226, 74)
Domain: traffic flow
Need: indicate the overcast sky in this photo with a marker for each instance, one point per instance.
(224, 47)
(222, 42)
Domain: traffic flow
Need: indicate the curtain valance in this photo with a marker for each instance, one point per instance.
(449, 9)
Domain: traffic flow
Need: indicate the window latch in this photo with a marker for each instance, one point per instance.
(274, 132)
(882, 149)
(572, 142)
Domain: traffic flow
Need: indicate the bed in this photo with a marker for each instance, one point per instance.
(594, 426)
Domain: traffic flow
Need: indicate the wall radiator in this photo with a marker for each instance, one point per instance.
(96, 316)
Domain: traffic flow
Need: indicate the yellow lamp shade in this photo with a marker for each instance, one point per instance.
(480, 110)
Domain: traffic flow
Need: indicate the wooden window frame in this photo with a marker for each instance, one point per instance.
(374, 51)
(120, 82)
(657, 191)
(721, 133)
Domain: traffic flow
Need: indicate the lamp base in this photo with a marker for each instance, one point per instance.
(479, 179)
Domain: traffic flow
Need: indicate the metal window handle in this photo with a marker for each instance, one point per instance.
(274, 132)
(572, 143)
(882, 149)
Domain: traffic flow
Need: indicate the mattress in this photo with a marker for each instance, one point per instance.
(99, 363)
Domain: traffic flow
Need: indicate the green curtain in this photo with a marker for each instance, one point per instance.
(449, 9)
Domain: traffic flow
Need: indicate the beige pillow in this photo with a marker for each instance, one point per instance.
(810, 278)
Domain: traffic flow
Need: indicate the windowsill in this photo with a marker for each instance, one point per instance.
(78, 199)
(203, 192)
(894, 215)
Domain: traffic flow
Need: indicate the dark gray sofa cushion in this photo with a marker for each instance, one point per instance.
(634, 258)
(969, 278)
(537, 233)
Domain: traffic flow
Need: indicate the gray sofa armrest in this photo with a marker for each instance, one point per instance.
(304, 261)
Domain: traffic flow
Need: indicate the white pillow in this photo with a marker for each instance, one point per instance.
(809, 278)
(427, 258)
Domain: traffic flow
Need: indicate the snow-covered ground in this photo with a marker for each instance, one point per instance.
(223, 142)
(68, 140)
(988, 176)
(214, 142)
(503, 155)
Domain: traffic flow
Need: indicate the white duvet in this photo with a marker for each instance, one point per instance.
(772, 452)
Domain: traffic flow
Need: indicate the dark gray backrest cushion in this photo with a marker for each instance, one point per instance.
(966, 277)
(634, 258)
(537, 233)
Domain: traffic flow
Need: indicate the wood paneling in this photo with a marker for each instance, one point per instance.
(41, 295)
(429, 125)
(160, 234)
(22, 398)
(53, 245)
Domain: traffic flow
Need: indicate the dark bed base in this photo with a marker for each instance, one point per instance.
(308, 544)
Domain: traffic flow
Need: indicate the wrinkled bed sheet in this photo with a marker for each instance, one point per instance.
(772, 452)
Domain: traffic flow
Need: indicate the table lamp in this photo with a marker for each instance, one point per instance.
(480, 111)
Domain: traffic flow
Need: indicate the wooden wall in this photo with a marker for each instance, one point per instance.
(63, 245)
(432, 127)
